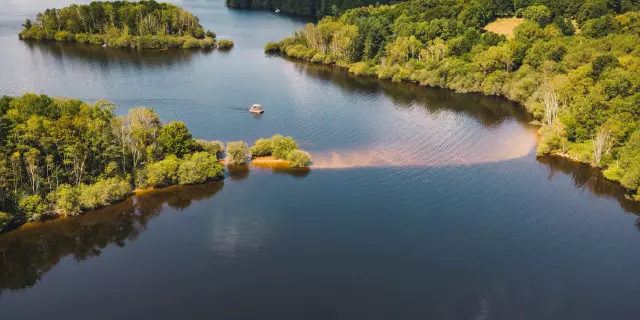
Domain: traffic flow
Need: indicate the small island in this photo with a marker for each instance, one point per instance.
(123, 24)
(61, 157)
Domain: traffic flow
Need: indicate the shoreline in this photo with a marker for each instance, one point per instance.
(537, 124)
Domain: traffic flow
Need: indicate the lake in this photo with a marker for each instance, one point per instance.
(421, 203)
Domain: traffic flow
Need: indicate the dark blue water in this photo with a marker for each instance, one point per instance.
(423, 203)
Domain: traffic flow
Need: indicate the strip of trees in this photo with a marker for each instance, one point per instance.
(61, 157)
(310, 8)
(573, 64)
(122, 24)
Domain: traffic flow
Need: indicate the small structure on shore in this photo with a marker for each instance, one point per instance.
(256, 108)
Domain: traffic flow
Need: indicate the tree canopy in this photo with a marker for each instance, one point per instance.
(143, 24)
(573, 64)
(60, 157)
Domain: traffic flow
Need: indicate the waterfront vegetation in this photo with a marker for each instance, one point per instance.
(311, 8)
(281, 148)
(123, 24)
(61, 157)
(575, 65)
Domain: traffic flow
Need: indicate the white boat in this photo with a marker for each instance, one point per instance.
(256, 108)
(277, 10)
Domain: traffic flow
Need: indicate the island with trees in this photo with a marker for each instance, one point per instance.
(575, 65)
(62, 157)
(123, 24)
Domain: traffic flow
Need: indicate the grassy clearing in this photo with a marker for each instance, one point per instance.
(504, 26)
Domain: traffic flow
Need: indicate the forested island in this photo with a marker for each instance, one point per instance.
(62, 157)
(575, 65)
(310, 8)
(123, 24)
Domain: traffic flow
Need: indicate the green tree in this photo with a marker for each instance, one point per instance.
(176, 139)
(238, 152)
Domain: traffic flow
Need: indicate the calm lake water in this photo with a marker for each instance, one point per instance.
(421, 204)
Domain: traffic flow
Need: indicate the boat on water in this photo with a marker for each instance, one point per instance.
(256, 108)
(277, 10)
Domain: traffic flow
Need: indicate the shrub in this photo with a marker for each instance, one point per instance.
(272, 47)
(5, 221)
(318, 58)
(191, 43)
(210, 34)
(199, 168)
(225, 44)
(262, 147)
(215, 148)
(64, 36)
(32, 207)
(207, 43)
(163, 173)
(238, 152)
(66, 201)
(282, 146)
(298, 158)
(102, 193)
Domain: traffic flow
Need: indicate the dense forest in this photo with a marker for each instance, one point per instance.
(575, 65)
(122, 24)
(60, 157)
(316, 8)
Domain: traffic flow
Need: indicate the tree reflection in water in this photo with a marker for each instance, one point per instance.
(29, 252)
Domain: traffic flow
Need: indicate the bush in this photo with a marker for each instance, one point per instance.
(215, 148)
(210, 34)
(163, 173)
(238, 152)
(66, 201)
(225, 44)
(199, 168)
(5, 221)
(102, 193)
(282, 146)
(272, 47)
(32, 207)
(191, 43)
(262, 147)
(298, 158)
(64, 36)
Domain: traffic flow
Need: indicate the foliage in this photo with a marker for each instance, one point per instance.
(61, 157)
(176, 139)
(582, 86)
(215, 148)
(238, 152)
(316, 8)
(298, 158)
(5, 221)
(225, 44)
(163, 173)
(199, 168)
(281, 146)
(122, 24)
(262, 147)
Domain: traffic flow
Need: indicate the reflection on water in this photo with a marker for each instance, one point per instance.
(31, 251)
(591, 179)
(488, 110)
(83, 52)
